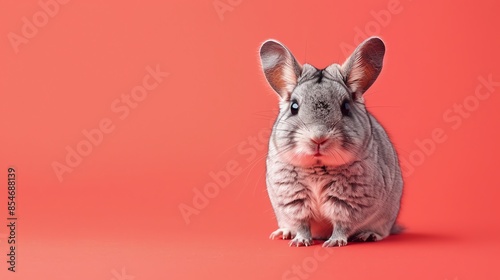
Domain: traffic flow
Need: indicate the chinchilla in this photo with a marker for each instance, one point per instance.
(332, 172)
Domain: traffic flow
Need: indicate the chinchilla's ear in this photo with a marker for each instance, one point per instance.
(280, 67)
(362, 68)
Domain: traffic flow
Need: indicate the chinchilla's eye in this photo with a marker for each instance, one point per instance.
(294, 108)
(345, 108)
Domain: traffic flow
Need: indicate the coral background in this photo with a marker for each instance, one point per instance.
(197, 140)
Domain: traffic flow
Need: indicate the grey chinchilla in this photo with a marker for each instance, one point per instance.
(332, 172)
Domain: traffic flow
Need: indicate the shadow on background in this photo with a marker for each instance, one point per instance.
(421, 237)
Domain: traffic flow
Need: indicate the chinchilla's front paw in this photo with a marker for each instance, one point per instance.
(301, 240)
(335, 241)
(284, 233)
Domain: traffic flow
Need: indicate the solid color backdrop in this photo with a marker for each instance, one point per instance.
(119, 115)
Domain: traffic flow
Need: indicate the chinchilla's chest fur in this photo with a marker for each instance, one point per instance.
(361, 194)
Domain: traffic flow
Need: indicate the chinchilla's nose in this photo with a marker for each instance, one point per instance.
(318, 140)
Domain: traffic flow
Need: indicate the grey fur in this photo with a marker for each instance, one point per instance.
(329, 175)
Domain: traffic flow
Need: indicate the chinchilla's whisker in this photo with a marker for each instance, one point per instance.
(285, 150)
(290, 131)
(340, 155)
(303, 124)
(249, 170)
(382, 106)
